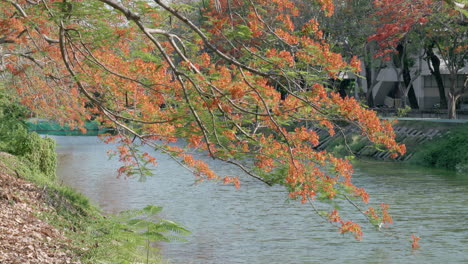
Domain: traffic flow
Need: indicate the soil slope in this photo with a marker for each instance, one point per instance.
(25, 238)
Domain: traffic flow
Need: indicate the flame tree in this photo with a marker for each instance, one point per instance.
(441, 26)
(241, 80)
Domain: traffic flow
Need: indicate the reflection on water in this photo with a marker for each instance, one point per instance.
(258, 224)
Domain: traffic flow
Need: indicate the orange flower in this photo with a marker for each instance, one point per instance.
(415, 243)
(334, 216)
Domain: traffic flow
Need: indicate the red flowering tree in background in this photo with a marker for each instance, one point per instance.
(241, 80)
(347, 31)
(396, 20)
(436, 30)
(446, 37)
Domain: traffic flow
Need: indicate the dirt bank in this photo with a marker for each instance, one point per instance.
(25, 238)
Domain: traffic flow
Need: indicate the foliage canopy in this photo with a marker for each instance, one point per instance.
(242, 80)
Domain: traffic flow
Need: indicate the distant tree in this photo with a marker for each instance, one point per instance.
(447, 34)
(398, 23)
(439, 26)
(347, 31)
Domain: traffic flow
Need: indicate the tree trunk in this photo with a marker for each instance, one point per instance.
(407, 80)
(453, 96)
(343, 86)
(369, 95)
(452, 106)
(368, 50)
(435, 71)
(404, 66)
(357, 88)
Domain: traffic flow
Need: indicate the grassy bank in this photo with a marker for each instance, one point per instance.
(449, 151)
(89, 236)
(430, 144)
(31, 197)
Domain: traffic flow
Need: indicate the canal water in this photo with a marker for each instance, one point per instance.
(258, 224)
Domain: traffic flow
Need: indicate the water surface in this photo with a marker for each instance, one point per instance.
(258, 224)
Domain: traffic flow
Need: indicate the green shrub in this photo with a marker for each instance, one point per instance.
(449, 151)
(15, 138)
(12, 130)
(40, 153)
(352, 145)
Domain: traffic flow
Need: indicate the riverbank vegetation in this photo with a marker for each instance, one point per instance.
(36, 152)
(50, 223)
(448, 152)
(428, 143)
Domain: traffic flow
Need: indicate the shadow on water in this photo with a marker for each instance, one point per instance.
(413, 172)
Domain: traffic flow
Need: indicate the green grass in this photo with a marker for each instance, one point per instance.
(449, 151)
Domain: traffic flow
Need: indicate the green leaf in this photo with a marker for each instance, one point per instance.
(138, 223)
(173, 227)
(154, 236)
(152, 210)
